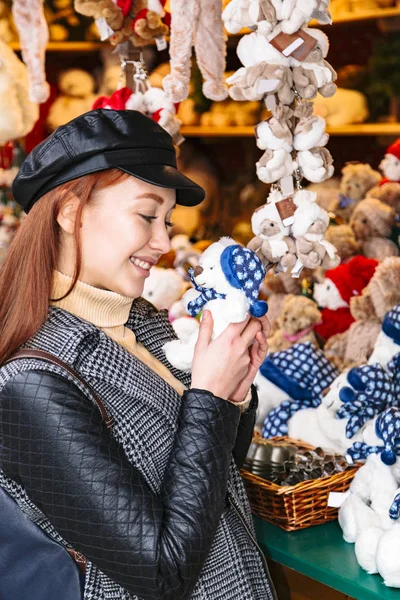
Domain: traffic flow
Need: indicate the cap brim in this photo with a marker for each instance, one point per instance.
(188, 193)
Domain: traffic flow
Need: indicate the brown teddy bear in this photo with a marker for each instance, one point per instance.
(106, 9)
(344, 240)
(372, 222)
(355, 346)
(246, 83)
(389, 193)
(357, 179)
(295, 323)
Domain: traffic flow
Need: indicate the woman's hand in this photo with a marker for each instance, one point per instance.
(224, 366)
(258, 352)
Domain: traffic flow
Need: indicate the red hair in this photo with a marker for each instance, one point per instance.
(27, 271)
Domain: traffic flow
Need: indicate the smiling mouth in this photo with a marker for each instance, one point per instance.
(141, 263)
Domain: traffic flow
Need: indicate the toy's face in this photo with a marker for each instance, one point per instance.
(330, 396)
(354, 186)
(211, 275)
(318, 226)
(390, 167)
(292, 320)
(327, 295)
(163, 287)
(361, 225)
(76, 83)
(315, 55)
(269, 229)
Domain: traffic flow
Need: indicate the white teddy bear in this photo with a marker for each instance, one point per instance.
(163, 287)
(227, 281)
(76, 97)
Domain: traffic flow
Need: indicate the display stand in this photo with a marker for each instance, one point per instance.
(321, 554)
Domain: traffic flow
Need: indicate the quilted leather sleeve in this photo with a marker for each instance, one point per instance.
(55, 444)
(246, 429)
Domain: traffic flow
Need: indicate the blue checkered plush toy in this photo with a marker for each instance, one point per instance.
(226, 282)
(303, 372)
(387, 428)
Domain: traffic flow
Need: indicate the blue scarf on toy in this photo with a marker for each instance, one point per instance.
(206, 294)
(387, 427)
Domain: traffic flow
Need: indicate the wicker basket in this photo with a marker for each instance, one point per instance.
(297, 506)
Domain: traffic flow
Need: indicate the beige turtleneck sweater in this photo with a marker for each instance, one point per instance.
(109, 312)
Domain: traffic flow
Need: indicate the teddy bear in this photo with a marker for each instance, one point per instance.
(253, 82)
(309, 226)
(272, 242)
(343, 239)
(236, 16)
(290, 381)
(372, 222)
(309, 131)
(314, 74)
(388, 193)
(18, 113)
(274, 165)
(382, 293)
(164, 287)
(334, 293)
(76, 97)
(295, 323)
(357, 179)
(229, 114)
(111, 11)
(275, 133)
(226, 282)
(344, 108)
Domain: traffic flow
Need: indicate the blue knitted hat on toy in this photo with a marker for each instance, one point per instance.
(371, 393)
(302, 371)
(391, 324)
(387, 427)
(245, 271)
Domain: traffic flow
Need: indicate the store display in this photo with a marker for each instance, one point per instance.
(289, 506)
(226, 282)
(295, 323)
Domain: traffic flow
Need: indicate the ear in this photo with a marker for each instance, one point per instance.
(67, 214)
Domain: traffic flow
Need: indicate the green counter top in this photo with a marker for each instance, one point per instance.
(321, 554)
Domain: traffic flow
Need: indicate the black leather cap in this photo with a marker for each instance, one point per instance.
(98, 140)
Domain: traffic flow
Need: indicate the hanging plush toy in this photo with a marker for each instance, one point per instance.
(33, 36)
(197, 23)
(226, 282)
(18, 113)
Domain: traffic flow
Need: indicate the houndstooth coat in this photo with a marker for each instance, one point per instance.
(146, 419)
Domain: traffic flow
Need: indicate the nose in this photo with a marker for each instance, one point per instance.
(198, 270)
(160, 241)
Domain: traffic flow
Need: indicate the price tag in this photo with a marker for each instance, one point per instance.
(104, 29)
(336, 499)
(161, 43)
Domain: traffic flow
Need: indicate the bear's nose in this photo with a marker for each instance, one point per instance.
(198, 271)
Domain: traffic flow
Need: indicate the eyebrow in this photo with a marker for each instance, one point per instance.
(155, 197)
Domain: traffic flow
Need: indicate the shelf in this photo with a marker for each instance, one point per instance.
(68, 46)
(365, 129)
(352, 17)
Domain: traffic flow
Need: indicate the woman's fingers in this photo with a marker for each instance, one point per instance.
(205, 330)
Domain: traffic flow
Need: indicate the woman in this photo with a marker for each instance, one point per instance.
(155, 503)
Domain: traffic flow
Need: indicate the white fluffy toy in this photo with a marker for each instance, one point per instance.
(227, 282)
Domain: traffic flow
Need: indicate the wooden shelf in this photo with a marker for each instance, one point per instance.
(352, 17)
(365, 129)
(68, 46)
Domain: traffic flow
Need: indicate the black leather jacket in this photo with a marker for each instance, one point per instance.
(54, 443)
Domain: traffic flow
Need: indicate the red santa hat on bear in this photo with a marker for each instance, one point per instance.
(334, 293)
(390, 165)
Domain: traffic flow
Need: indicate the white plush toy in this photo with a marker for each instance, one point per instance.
(274, 165)
(18, 113)
(163, 287)
(293, 14)
(236, 16)
(390, 165)
(76, 97)
(227, 281)
(387, 344)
